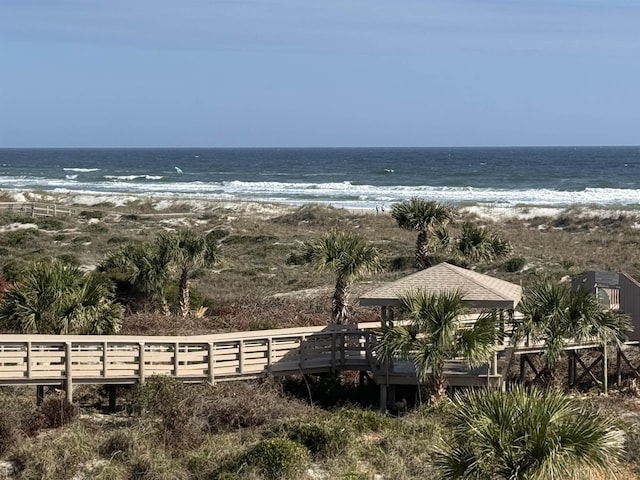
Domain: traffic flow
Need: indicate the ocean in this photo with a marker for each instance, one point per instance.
(358, 178)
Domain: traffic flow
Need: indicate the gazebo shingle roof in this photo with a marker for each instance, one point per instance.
(478, 290)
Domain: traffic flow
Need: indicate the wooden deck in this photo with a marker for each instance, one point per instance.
(66, 360)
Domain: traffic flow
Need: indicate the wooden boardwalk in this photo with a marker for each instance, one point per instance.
(66, 360)
(32, 209)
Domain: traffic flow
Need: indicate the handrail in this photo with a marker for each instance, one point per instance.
(118, 359)
(35, 209)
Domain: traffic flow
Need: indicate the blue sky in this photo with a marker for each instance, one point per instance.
(326, 73)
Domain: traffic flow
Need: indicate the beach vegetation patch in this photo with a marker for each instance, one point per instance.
(20, 238)
(117, 240)
(528, 434)
(57, 298)
(247, 239)
(402, 263)
(49, 223)
(13, 270)
(81, 239)
(323, 437)
(98, 214)
(313, 215)
(515, 264)
(274, 459)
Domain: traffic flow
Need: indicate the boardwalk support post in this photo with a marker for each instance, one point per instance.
(39, 394)
(112, 398)
(141, 361)
(210, 350)
(68, 387)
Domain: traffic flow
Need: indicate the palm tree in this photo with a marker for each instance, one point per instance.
(146, 268)
(476, 244)
(532, 435)
(59, 298)
(188, 251)
(434, 335)
(553, 313)
(349, 257)
(426, 217)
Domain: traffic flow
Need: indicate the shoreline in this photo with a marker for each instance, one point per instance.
(164, 203)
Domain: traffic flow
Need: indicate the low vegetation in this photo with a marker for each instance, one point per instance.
(257, 276)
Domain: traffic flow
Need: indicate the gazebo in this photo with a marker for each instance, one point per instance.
(478, 291)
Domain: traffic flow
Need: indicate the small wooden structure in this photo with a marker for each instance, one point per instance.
(479, 292)
(614, 291)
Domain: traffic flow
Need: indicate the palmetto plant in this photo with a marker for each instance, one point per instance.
(476, 244)
(434, 335)
(528, 435)
(188, 252)
(349, 257)
(58, 298)
(146, 267)
(425, 217)
(554, 313)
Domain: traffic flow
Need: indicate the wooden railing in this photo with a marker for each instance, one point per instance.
(36, 209)
(113, 359)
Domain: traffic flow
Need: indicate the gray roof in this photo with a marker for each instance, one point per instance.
(590, 279)
(478, 290)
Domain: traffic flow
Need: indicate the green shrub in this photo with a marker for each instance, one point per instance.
(96, 228)
(82, 239)
(119, 444)
(117, 240)
(180, 409)
(92, 214)
(515, 264)
(263, 324)
(19, 238)
(248, 239)
(296, 259)
(49, 223)
(323, 438)
(12, 270)
(361, 420)
(217, 234)
(402, 262)
(69, 259)
(58, 411)
(276, 458)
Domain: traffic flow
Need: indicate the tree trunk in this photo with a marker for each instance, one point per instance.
(423, 259)
(184, 293)
(438, 383)
(166, 311)
(340, 311)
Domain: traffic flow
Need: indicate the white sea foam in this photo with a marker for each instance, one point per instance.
(76, 169)
(133, 177)
(71, 177)
(343, 194)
